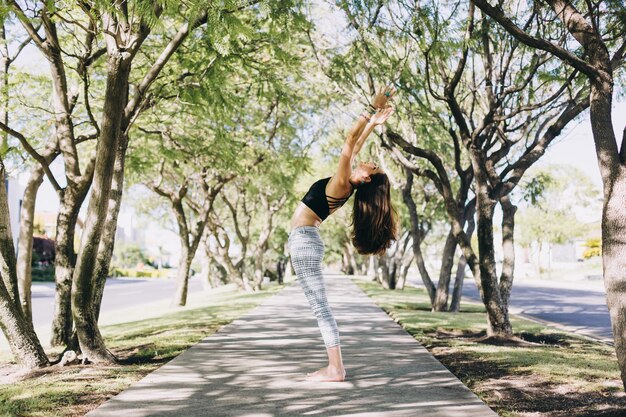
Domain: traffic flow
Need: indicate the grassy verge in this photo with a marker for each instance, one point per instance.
(142, 346)
(558, 374)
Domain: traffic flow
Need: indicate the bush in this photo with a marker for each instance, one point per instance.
(43, 273)
(128, 256)
(139, 273)
(43, 251)
(594, 248)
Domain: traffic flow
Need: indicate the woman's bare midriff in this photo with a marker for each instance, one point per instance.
(304, 216)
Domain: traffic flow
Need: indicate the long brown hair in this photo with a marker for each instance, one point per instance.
(373, 216)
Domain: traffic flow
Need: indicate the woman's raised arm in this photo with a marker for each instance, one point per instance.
(377, 119)
(359, 132)
(378, 103)
(344, 168)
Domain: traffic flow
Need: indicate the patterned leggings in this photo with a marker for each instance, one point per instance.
(307, 252)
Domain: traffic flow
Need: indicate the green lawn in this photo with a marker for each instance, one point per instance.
(142, 347)
(560, 374)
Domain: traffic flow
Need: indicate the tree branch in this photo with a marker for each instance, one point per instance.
(32, 152)
(543, 103)
(401, 159)
(233, 212)
(498, 15)
(518, 168)
(30, 29)
(134, 104)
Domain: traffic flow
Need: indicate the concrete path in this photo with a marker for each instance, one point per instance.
(255, 367)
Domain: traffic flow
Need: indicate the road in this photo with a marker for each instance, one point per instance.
(579, 307)
(119, 294)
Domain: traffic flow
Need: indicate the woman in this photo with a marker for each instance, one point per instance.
(373, 220)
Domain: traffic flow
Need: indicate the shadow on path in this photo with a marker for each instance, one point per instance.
(255, 367)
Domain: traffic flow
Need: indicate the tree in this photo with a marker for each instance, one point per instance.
(242, 227)
(116, 31)
(553, 196)
(20, 334)
(538, 102)
(590, 36)
(190, 174)
(68, 135)
(498, 113)
(25, 239)
(421, 224)
(383, 51)
(15, 318)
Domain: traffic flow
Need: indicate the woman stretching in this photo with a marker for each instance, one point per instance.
(373, 220)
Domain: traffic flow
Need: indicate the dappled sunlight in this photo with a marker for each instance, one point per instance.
(256, 366)
(551, 374)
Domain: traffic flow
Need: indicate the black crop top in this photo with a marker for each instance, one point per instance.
(317, 200)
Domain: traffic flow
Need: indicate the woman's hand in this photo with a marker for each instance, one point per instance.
(381, 115)
(384, 95)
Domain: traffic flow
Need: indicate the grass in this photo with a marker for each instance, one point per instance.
(142, 346)
(558, 374)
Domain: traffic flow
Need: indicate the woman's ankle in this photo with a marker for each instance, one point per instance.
(336, 368)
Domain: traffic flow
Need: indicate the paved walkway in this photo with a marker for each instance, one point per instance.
(254, 367)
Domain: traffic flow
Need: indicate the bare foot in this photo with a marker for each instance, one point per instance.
(328, 374)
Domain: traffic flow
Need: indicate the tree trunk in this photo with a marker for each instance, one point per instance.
(403, 273)
(393, 275)
(259, 258)
(613, 169)
(421, 267)
(497, 314)
(346, 265)
(214, 275)
(417, 237)
(457, 294)
(27, 223)
(25, 241)
(64, 262)
(372, 267)
(234, 273)
(21, 337)
(182, 278)
(392, 263)
(508, 249)
(289, 271)
(205, 272)
(258, 275)
(107, 242)
(7, 249)
(445, 273)
(281, 265)
(190, 239)
(116, 95)
(351, 258)
(383, 276)
(5, 63)
(614, 262)
(218, 275)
